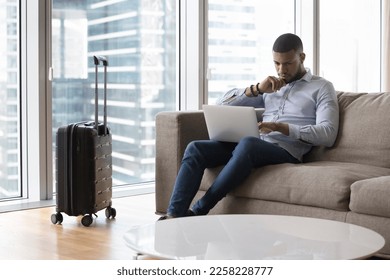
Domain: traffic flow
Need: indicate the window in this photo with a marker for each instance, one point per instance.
(240, 38)
(139, 40)
(350, 44)
(10, 179)
(347, 50)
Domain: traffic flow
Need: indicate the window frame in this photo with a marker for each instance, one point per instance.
(193, 54)
(35, 104)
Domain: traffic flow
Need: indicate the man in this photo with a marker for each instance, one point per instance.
(301, 110)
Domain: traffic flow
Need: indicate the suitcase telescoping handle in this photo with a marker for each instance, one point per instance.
(104, 60)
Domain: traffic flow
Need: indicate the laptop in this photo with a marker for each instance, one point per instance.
(230, 123)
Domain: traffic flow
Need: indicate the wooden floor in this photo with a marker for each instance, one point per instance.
(30, 234)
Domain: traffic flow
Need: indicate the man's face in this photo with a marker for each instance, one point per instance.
(289, 65)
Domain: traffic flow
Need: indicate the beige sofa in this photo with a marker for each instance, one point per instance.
(349, 182)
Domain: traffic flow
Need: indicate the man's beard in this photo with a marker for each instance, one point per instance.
(297, 76)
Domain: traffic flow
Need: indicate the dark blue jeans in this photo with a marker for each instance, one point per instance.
(239, 160)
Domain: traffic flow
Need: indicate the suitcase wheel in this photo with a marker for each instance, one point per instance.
(110, 212)
(57, 218)
(87, 220)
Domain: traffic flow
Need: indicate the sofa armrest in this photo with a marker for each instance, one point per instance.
(371, 196)
(174, 130)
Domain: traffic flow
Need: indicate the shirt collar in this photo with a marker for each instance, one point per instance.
(308, 76)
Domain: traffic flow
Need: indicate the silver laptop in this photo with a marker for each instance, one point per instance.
(230, 123)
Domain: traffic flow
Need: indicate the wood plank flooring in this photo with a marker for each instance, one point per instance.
(30, 234)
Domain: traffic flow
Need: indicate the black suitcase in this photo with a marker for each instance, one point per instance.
(84, 165)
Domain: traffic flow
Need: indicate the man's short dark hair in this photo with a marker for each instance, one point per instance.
(287, 42)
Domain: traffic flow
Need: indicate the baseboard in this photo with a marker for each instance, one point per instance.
(118, 192)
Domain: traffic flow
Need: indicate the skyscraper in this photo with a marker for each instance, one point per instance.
(9, 98)
(139, 40)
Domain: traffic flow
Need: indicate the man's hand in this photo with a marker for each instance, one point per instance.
(271, 84)
(267, 127)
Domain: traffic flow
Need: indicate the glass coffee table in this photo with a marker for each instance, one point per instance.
(243, 237)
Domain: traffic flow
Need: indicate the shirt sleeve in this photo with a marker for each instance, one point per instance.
(324, 132)
(237, 97)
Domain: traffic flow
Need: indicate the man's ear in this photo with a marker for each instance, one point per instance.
(302, 57)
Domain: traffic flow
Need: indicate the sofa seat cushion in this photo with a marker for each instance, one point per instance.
(371, 196)
(323, 184)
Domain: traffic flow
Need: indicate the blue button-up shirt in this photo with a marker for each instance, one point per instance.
(309, 106)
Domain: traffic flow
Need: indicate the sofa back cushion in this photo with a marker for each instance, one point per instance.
(364, 131)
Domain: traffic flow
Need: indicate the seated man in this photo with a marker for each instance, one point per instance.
(301, 110)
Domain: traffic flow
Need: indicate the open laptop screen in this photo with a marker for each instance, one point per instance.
(230, 123)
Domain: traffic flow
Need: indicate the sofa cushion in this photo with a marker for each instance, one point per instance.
(371, 196)
(321, 184)
(364, 131)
